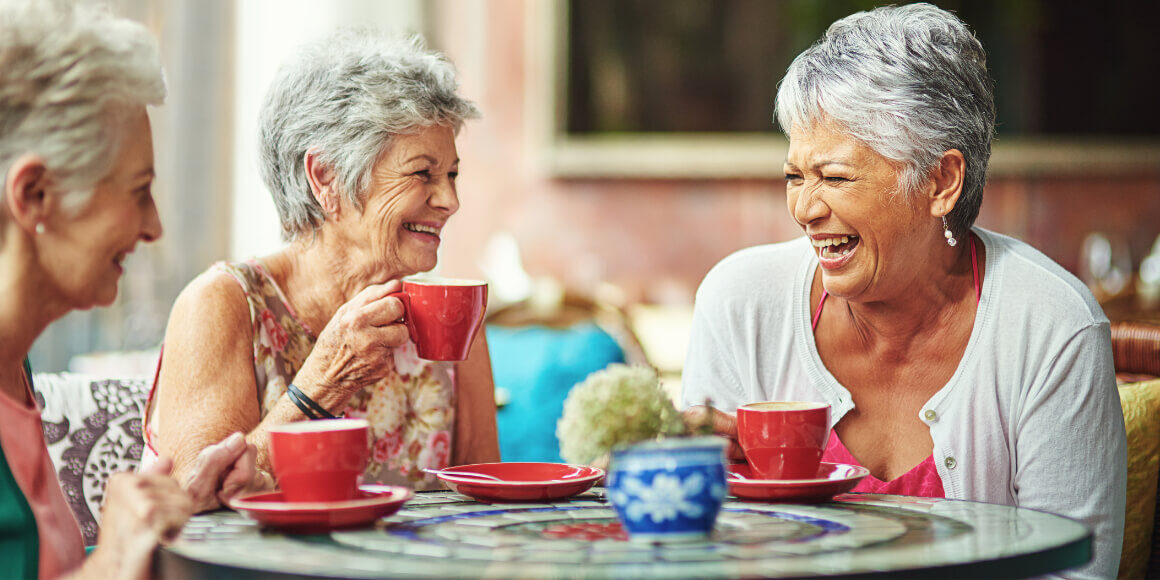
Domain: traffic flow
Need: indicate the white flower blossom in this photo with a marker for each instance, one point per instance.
(614, 407)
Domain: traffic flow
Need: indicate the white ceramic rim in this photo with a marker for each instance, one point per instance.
(321, 426)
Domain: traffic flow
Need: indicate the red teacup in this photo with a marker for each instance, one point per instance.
(318, 461)
(783, 440)
(443, 315)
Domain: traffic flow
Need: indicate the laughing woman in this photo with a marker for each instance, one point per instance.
(76, 154)
(958, 362)
(358, 150)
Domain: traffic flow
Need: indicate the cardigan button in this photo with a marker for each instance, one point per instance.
(930, 415)
(950, 462)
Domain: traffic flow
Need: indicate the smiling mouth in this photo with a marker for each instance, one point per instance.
(834, 248)
(421, 229)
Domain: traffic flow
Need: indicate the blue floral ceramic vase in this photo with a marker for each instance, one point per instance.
(669, 490)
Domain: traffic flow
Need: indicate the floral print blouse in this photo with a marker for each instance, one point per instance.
(411, 411)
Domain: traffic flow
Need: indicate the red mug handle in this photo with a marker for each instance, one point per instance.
(406, 300)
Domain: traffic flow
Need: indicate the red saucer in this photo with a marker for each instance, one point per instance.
(521, 481)
(269, 509)
(832, 479)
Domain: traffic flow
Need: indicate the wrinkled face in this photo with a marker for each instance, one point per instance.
(84, 249)
(411, 196)
(842, 194)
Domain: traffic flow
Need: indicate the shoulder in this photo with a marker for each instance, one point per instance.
(215, 295)
(1030, 282)
(755, 271)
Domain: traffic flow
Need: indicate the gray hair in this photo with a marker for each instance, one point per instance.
(910, 82)
(347, 96)
(68, 75)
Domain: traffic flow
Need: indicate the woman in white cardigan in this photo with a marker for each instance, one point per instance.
(958, 362)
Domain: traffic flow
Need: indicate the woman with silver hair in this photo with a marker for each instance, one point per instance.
(957, 362)
(358, 149)
(77, 157)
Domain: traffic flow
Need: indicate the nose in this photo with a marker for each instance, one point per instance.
(445, 197)
(806, 204)
(151, 222)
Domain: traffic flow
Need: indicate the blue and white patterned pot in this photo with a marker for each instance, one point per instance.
(669, 490)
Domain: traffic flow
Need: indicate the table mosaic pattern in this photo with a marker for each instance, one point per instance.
(446, 535)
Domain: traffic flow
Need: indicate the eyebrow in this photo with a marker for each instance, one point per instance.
(429, 159)
(820, 164)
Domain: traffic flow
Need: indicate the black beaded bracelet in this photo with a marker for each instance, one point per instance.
(308, 406)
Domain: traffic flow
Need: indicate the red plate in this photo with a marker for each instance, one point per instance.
(269, 509)
(521, 481)
(832, 479)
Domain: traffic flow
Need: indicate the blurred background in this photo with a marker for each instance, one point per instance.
(627, 146)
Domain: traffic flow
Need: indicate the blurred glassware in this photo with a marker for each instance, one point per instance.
(1105, 265)
(1148, 280)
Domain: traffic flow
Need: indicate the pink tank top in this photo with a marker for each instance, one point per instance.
(61, 546)
(923, 479)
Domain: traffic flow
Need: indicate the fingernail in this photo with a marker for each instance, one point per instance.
(236, 441)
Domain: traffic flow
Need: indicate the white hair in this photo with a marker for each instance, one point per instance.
(911, 83)
(347, 96)
(68, 76)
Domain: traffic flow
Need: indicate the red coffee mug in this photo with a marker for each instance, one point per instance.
(443, 315)
(319, 461)
(784, 440)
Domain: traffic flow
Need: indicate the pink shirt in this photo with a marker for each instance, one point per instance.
(22, 438)
(922, 480)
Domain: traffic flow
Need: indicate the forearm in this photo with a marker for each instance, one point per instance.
(476, 436)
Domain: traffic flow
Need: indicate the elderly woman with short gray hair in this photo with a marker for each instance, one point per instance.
(358, 150)
(957, 362)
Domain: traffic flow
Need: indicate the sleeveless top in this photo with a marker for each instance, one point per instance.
(39, 536)
(922, 480)
(411, 411)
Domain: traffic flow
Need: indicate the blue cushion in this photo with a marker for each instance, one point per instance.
(538, 366)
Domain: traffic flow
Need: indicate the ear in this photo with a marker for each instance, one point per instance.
(26, 192)
(946, 182)
(321, 178)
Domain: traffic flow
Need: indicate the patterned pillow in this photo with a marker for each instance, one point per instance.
(93, 429)
(1141, 406)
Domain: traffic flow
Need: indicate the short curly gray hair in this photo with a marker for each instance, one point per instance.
(908, 81)
(347, 96)
(68, 75)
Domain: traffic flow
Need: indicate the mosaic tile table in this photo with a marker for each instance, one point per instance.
(446, 535)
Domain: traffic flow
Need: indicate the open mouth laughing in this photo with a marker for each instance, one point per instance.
(834, 250)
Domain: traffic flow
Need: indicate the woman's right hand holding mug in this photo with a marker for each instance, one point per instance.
(355, 349)
(698, 417)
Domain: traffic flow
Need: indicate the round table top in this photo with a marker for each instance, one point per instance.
(447, 535)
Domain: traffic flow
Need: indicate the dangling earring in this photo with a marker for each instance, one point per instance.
(948, 234)
(40, 228)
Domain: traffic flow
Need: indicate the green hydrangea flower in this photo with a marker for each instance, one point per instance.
(615, 407)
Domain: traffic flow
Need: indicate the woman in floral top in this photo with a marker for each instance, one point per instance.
(358, 149)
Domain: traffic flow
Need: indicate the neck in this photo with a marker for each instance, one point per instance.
(319, 275)
(27, 308)
(934, 299)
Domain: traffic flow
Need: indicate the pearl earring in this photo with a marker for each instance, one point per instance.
(948, 234)
(40, 228)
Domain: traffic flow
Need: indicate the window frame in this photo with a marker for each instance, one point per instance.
(754, 155)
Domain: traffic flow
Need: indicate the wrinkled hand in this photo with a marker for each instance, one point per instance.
(221, 471)
(141, 510)
(355, 347)
(720, 423)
